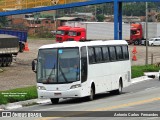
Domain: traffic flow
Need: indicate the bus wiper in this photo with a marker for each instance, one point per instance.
(63, 74)
(53, 69)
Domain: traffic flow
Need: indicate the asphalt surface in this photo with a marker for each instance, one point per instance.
(143, 96)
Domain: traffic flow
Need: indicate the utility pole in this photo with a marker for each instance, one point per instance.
(146, 33)
(95, 13)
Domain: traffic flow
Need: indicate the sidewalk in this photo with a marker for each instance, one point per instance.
(20, 104)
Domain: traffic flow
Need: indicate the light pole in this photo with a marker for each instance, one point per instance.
(146, 33)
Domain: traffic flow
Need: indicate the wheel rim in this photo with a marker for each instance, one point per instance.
(91, 94)
(120, 88)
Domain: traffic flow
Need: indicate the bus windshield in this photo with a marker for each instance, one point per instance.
(56, 66)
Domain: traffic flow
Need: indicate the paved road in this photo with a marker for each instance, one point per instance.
(144, 96)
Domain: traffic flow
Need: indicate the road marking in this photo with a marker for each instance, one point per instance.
(109, 108)
(127, 104)
(150, 88)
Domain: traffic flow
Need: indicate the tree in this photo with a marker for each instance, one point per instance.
(158, 17)
(100, 18)
(3, 21)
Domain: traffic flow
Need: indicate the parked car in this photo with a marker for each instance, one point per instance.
(154, 41)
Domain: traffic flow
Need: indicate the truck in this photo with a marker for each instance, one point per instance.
(9, 48)
(62, 33)
(138, 31)
(22, 35)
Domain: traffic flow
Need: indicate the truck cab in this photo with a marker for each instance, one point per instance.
(77, 34)
(136, 33)
(62, 33)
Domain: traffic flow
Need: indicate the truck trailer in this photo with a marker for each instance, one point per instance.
(9, 47)
(22, 35)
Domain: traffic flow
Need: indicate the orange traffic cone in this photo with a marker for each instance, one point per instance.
(134, 51)
(134, 58)
(26, 48)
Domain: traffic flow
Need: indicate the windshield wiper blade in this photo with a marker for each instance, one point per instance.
(63, 74)
(53, 69)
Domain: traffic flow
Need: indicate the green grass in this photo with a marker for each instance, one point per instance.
(19, 94)
(138, 71)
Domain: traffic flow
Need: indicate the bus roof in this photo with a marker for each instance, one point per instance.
(80, 44)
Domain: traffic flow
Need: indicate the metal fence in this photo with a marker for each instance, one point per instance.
(154, 58)
(6, 5)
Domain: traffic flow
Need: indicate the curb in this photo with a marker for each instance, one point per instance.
(140, 79)
(21, 104)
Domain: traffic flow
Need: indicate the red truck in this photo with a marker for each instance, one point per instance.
(136, 33)
(62, 33)
(77, 34)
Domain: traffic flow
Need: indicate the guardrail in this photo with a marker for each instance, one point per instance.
(154, 58)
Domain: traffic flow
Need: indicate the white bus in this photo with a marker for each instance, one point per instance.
(82, 69)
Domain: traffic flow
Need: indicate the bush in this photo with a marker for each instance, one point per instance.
(138, 71)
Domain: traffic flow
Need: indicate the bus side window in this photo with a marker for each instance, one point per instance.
(119, 53)
(98, 53)
(105, 53)
(84, 66)
(125, 52)
(91, 55)
(112, 53)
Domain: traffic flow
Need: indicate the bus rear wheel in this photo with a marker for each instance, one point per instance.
(119, 90)
(54, 100)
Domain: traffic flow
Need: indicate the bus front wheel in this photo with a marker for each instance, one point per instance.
(92, 93)
(54, 100)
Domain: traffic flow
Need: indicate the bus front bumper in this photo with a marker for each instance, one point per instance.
(72, 93)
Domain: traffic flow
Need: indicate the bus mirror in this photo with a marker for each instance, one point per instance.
(34, 64)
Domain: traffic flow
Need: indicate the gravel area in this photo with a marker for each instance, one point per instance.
(19, 74)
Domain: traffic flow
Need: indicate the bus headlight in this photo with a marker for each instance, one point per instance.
(41, 88)
(75, 86)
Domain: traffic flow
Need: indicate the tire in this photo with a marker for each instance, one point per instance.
(152, 44)
(0, 62)
(159, 78)
(119, 90)
(21, 47)
(92, 93)
(54, 100)
(136, 42)
(9, 60)
(4, 62)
